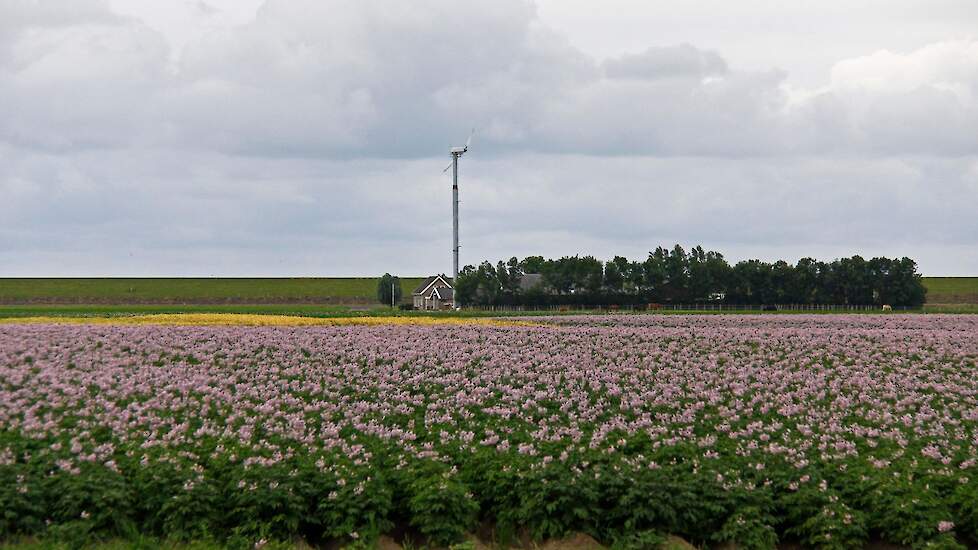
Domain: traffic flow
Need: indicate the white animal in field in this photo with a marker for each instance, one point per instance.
(887, 307)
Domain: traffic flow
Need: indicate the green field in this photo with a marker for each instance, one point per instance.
(951, 290)
(314, 310)
(335, 290)
(295, 296)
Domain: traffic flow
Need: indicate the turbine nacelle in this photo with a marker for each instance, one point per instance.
(459, 151)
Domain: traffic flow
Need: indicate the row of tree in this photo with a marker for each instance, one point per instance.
(697, 276)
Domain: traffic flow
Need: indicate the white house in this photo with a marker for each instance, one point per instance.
(434, 293)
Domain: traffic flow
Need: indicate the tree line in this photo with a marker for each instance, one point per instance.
(697, 276)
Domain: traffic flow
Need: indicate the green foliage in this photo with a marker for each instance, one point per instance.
(965, 504)
(388, 289)
(467, 286)
(183, 510)
(553, 504)
(696, 276)
(749, 528)
(441, 507)
(909, 512)
(270, 506)
(95, 499)
(358, 509)
(827, 522)
(20, 510)
(71, 534)
(628, 508)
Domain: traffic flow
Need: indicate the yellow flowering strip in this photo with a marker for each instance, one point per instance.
(254, 320)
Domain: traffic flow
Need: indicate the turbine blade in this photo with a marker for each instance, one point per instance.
(469, 141)
(447, 167)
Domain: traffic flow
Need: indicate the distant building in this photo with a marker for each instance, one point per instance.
(531, 281)
(434, 293)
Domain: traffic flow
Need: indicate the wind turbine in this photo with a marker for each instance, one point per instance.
(457, 153)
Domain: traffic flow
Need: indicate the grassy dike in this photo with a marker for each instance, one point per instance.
(306, 297)
(211, 291)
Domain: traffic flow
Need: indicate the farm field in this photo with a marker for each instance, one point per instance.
(132, 310)
(823, 430)
(321, 311)
(282, 292)
(951, 290)
(336, 290)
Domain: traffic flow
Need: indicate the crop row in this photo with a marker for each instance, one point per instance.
(828, 430)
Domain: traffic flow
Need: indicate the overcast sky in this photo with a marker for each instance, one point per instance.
(308, 137)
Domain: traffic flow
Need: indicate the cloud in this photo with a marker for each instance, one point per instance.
(153, 213)
(204, 8)
(341, 79)
(25, 15)
(925, 101)
(310, 140)
(665, 62)
(78, 78)
(376, 79)
(952, 66)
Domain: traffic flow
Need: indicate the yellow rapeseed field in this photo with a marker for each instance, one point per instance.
(252, 320)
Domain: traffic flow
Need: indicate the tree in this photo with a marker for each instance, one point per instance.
(702, 279)
(677, 274)
(856, 273)
(506, 284)
(803, 285)
(752, 283)
(699, 275)
(559, 275)
(467, 286)
(654, 272)
(824, 283)
(782, 279)
(907, 285)
(385, 285)
(589, 274)
(490, 289)
(879, 273)
(533, 264)
(512, 272)
(613, 278)
(719, 272)
(635, 276)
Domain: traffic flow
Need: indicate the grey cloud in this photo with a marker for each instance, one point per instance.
(755, 207)
(211, 214)
(665, 62)
(418, 80)
(82, 78)
(205, 8)
(732, 116)
(363, 80)
(310, 141)
(22, 15)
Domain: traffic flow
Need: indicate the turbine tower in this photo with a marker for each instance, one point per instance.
(457, 153)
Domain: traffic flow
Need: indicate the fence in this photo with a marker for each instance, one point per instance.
(708, 307)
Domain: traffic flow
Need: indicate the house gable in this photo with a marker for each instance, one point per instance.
(434, 280)
(443, 293)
